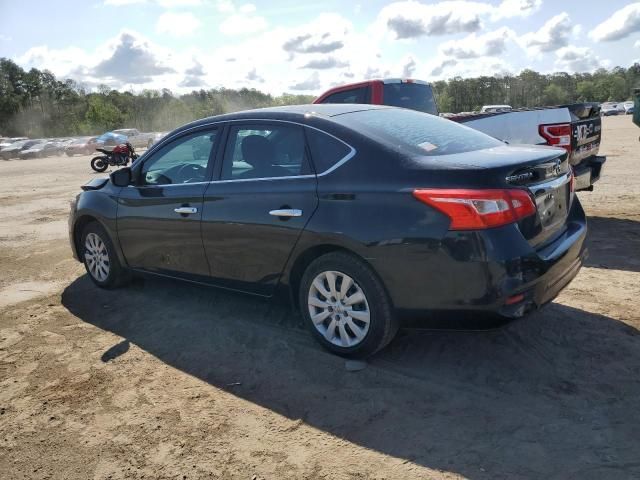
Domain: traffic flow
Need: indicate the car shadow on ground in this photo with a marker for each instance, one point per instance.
(553, 396)
(614, 243)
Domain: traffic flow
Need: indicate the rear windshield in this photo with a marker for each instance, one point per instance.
(415, 96)
(417, 132)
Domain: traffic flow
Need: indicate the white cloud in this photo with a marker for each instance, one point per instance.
(443, 67)
(311, 83)
(242, 20)
(162, 3)
(225, 6)
(326, 34)
(241, 24)
(577, 59)
(408, 66)
(133, 61)
(119, 3)
(554, 34)
(516, 8)
(59, 61)
(412, 19)
(474, 46)
(440, 67)
(253, 76)
(637, 44)
(176, 24)
(179, 3)
(324, 63)
(620, 25)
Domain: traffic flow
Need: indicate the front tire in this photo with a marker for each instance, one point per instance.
(100, 258)
(99, 164)
(346, 306)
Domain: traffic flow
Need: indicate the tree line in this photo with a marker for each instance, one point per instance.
(35, 103)
(533, 89)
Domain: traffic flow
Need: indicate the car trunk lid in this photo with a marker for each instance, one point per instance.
(543, 171)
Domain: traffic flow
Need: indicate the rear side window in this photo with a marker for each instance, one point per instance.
(326, 151)
(417, 132)
(416, 96)
(265, 151)
(355, 95)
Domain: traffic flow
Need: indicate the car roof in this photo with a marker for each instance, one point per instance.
(288, 112)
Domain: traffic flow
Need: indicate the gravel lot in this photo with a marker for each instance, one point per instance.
(166, 380)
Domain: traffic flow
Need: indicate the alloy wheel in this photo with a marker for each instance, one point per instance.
(339, 309)
(96, 257)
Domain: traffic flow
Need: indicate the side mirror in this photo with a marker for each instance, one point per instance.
(121, 177)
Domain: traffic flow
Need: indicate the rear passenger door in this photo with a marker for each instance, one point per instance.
(255, 210)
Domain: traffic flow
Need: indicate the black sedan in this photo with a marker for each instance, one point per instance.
(366, 216)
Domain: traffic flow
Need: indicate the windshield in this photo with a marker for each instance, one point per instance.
(418, 132)
(416, 96)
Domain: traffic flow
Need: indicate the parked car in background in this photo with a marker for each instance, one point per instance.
(157, 136)
(36, 150)
(13, 150)
(82, 146)
(110, 139)
(628, 108)
(610, 108)
(137, 138)
(45, 148)
(496, 108)
(6, 142)
(365, 215)
(575, 128)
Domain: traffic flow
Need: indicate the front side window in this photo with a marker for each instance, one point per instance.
(355, 95)
(184, 160)
(265, 151)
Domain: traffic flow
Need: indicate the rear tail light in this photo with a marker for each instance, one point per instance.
(557, 135)
(479, 209)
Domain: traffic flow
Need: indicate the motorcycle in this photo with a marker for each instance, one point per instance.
(120, 156)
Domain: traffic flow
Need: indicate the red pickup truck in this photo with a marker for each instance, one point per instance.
(576, 127)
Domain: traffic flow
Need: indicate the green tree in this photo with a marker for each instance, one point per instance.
(554, 95)
(102, 115)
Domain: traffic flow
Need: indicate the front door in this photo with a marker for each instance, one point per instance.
(254, 212)
(159, 217)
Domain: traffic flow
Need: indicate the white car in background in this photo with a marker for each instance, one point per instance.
(611, 108)
(137, 138)
(496, 108)
(628, 108)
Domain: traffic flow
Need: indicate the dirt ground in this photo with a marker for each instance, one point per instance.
(167, 380)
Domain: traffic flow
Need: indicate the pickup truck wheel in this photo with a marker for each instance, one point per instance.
(100, 258)
(346, 306)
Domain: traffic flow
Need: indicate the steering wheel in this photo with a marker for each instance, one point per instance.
(191, 171)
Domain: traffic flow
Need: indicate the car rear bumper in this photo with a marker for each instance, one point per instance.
(588, 172)
(472, 277)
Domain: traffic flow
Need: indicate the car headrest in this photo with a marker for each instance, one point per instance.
(257, 151)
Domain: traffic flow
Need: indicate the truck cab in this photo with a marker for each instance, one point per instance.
(395, 92)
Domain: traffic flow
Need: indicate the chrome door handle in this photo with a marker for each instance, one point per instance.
(185, 210)
(286, 212)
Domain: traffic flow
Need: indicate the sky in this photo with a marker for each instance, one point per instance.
(282, 46)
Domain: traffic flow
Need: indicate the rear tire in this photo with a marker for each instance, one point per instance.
(354, 317)
(100, 258)
(99, 164)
